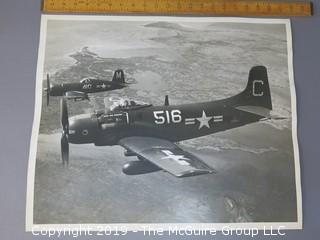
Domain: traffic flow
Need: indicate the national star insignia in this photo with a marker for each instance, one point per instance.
(204, 120)
(181, 159)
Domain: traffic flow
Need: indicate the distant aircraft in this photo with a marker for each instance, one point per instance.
(80, 90)
(150, 132)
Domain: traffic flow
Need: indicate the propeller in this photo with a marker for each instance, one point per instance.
(48, 89)
(65, 132)
(64, 149)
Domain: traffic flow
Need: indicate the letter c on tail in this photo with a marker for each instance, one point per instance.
(254, 88)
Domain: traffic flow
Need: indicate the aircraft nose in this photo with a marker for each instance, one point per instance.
(56, 90)
(82, 129)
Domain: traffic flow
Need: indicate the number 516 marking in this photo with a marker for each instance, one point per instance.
(167, 116)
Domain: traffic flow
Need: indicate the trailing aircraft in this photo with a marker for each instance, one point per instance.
(80, 90)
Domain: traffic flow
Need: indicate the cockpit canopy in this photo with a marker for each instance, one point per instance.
(126, 104)
(88, 80)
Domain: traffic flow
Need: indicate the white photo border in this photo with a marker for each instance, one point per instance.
(30, 226)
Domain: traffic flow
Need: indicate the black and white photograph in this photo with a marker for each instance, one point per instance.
(164, 120)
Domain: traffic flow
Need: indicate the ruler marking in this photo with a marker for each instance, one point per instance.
(216, 7)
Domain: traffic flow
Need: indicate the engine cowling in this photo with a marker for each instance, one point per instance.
(139, 167)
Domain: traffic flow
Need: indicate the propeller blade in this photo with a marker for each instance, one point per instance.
(48, 89)
(64, 116)
(64, 149)
(65, 132)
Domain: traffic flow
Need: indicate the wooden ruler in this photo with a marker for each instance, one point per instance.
(180, 7)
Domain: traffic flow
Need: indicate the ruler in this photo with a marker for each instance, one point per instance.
(180, 7)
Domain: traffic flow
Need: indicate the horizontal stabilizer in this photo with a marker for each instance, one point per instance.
(261, 111)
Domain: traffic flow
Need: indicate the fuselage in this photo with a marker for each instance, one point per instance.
(174, 123)
(85, 87)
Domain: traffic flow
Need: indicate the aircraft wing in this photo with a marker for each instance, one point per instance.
(76, 95)
(166, 155)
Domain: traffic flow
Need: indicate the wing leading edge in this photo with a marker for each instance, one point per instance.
(76, 95)
(166, 155)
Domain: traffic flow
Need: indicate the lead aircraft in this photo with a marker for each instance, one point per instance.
(151, 132)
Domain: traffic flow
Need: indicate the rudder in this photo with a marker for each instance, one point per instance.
(118, 76)
(257, 91)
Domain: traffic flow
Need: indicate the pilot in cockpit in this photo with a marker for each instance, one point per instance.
(124, 103)
(119, 104)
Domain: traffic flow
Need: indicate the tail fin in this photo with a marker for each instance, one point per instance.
(257, 92)
(118, 76)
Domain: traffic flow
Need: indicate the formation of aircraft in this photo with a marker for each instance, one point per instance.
(80, 90)
(151, 133)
